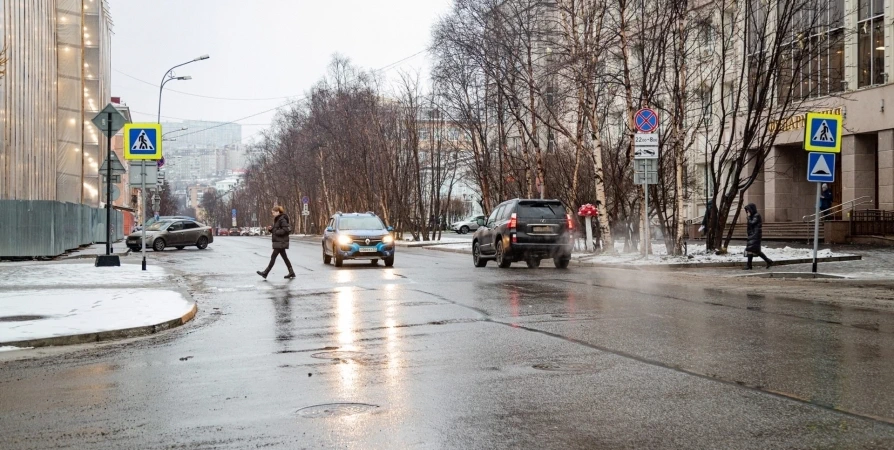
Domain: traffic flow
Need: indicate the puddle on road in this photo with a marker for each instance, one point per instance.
(335, 410)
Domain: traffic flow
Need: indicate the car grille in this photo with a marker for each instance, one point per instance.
(372, 241)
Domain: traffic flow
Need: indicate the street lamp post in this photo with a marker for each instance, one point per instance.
(168, 76)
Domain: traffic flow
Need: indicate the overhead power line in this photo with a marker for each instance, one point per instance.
(207, 96)
(387, 67)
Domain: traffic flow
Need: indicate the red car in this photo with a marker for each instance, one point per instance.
(223, 232)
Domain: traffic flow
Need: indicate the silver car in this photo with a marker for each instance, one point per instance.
(173, 233)
(470, 224)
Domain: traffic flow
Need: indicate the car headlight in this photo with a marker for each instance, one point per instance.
(345, 240)
(388, 239)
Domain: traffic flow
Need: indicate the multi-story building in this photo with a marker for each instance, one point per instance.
(201, 133)
(852, 42)
(54, 80)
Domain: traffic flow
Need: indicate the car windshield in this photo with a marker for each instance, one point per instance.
(157, 226)
(360, 223)
(541, 210)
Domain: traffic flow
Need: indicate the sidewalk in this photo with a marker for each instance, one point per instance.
(62, 303)
(788, 259)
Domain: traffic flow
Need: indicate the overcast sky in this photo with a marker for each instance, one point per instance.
(260, 49)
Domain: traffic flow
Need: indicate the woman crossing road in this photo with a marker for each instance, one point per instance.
(280, 236)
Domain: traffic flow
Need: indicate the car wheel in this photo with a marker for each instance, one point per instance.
(533, 263)
(561, 262)
(476, 255)
(339, 260)
(180, 247)
(374, 262)
(389, 262)
(158, 245)
(502, 261)
(203, 243)
(463, 229)
(326, 258)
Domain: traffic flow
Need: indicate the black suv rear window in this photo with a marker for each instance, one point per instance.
(541, 210)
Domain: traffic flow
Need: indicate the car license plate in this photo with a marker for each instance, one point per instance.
(543, 229)
(368, 250)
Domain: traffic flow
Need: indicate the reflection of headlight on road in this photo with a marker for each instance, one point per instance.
(388, 239)
(344, 240)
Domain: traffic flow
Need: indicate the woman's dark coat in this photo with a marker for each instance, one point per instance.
(280, 231)
(755, 229)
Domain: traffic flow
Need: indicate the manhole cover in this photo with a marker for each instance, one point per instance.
(335, 410)
(344, 354)
(21, 318)
(566, 367)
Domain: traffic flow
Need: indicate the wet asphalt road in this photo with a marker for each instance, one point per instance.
(437, 354)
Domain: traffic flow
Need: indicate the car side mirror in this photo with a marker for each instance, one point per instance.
(329, 229)
(390, 229)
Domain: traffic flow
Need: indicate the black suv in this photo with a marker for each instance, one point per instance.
(525, 230)
(357, 236)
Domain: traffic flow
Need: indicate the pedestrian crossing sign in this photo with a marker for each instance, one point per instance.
(823, 133)
(142, 141)
(820, 167)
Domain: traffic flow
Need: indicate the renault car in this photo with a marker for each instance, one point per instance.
(357, 236)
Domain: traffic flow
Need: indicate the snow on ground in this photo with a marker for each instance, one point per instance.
(87, 275)
(64, 312)
(696, 254)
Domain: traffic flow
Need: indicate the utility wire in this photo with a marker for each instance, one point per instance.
(389, 66)
(206, 96)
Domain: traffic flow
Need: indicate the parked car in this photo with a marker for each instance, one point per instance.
(235, 232)
(469, 224)
(152, 220)
(525, 230)
(223, 232)
(254, 231)
(357, 236)
(173, 233)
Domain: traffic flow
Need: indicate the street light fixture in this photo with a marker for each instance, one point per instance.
(169, 75)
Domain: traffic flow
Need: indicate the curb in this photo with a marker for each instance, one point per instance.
(110, 335)
(653, 267)
(65, 258)
(792, 275)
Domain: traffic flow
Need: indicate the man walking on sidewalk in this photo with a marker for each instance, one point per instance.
(755, 234)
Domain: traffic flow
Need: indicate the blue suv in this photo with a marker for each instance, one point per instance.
(357, 236)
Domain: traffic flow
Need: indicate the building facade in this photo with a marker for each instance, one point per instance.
(850, 77)
(55, 79)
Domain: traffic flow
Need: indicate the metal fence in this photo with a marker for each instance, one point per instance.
(42, 228)
(872, 222)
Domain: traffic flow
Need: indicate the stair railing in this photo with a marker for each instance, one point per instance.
(851, 205)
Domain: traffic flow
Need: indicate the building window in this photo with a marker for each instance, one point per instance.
(871, 42)
(813, 63)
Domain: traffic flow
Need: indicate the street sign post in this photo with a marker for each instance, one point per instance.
(645, 159)
(822, 133)
(109, 121)
(142, 142)
(646, 120)
(305, 200)
(822, 137)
